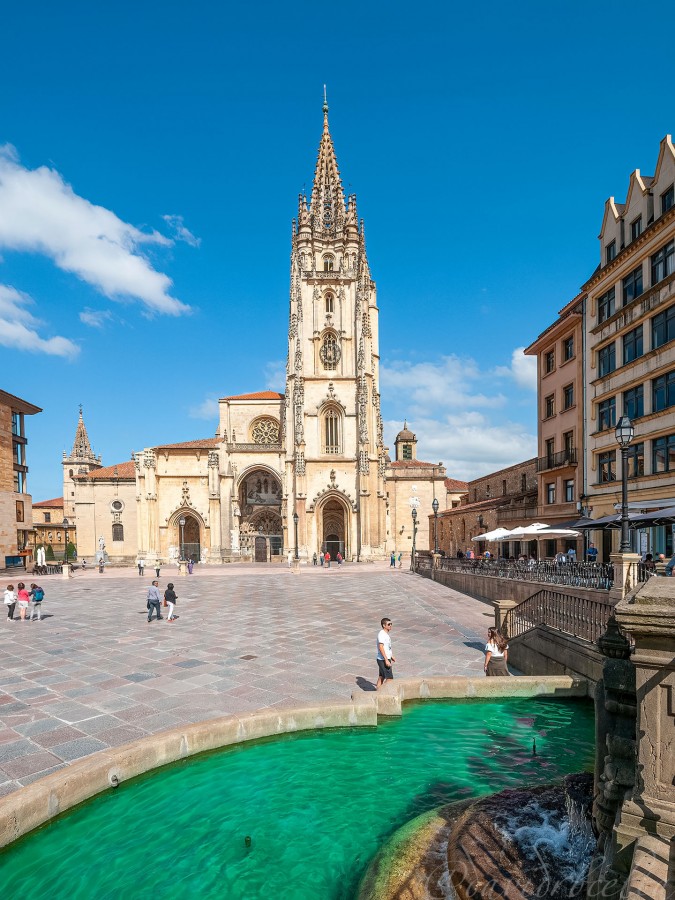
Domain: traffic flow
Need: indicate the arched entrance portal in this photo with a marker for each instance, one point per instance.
(191, 539)
(260, 504)
(334, 529)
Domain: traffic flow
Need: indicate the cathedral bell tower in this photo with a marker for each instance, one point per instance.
(332, 426)
(81, 461)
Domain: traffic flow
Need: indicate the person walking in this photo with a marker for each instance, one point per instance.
(141, 565)
(191, 566)
(314, 559)
(592, 553)
(326, 559)
(23, 599)
(321, 558)
(289, 557)
(37, 595)
(158, 566)
(392, 560)
(400, 559)
(10, 602)
(339, 558)
(154, 601)
(170, 600)
(496, 653)
(384, 654)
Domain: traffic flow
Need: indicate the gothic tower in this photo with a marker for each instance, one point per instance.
(332, 427)
(81, 461)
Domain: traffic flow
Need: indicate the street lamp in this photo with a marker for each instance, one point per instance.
(624, 435)
(296, 519)
(66, 523)
(181, 522)
(412, 555)
(434, 506)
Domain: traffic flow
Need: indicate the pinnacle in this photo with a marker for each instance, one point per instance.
(81, 446)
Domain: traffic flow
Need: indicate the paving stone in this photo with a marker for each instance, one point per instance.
(78, 748)
(15, 749)
(30, 764)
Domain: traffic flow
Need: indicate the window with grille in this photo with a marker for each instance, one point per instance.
(407, 451)
(118, 532)
(330, 351)
(331, 424)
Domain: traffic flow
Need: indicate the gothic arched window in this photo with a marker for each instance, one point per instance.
(330, 351)
(329, 302)
(328, 263)
(332, 431)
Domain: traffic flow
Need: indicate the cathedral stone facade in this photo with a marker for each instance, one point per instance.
(305, 471)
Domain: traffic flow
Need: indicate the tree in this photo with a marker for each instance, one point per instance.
(50, 552)
(72, 550)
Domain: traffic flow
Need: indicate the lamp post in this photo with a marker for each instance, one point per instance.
(296, 519)
(66, 523)
(412, 555)
(434, 506)
(181, 522)
(624, 435)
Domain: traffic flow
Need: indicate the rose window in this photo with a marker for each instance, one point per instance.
(265, 431)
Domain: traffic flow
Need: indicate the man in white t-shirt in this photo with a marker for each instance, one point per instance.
(384, 656)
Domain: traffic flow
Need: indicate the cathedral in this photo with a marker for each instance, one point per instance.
(306, 471)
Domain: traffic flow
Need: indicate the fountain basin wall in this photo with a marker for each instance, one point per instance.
(41, 801)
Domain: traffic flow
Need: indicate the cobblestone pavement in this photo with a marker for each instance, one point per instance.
(94, 674)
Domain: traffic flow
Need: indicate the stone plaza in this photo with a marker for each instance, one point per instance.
(93, 674)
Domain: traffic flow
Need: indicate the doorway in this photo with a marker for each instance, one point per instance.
(334, 531)
(191, 539)
(260, 549)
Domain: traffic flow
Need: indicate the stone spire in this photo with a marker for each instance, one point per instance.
(327, 206)
(81, 446)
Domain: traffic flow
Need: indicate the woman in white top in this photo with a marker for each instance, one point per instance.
(496, 653)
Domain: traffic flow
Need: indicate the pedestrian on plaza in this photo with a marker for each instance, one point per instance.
(191, 566)
(400, 559)
(392, 560)
(326, 559)
(314, 559)
(10, 601)
(469, 553)
(37, 595)
(321, 558)
(384, 655)
(158, 566)
(460, 554)
(23, 599)
(650, 565)
(141, 565)
(670, 565)
(592, 553)
(339, 558)
(84, 564)
(170, 601)
(571, 555)
(289, 557)
(154, 601)
(496, 653)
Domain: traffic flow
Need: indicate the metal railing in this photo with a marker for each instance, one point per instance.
(509, 513)
(572, 574)
(555, 460)
(582, 617)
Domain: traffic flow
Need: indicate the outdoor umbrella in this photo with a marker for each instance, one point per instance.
(536, 531)
(657, 517)
(491, 535)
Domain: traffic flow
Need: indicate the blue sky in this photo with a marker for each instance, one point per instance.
(153, 153)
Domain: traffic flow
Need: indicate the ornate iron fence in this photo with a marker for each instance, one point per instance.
(581, 617)
(572, 574)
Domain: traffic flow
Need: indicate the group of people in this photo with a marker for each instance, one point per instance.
(496, 653)
(323, 558)
(140, 562)
(393, 559)
(25, 599)
(154, 601)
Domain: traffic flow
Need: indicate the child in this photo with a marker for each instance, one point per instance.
(10, 602)
(37, 595)
(170, 599)
(24, 599)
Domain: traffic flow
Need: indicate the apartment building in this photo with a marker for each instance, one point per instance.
(560, 417)
(629, 339)
(15, 502)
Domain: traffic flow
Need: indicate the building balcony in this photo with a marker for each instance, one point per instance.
(511, 513)
(557, 460)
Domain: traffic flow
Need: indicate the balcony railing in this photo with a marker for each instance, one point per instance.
(509, 513)
(556, 460)
(572, 574)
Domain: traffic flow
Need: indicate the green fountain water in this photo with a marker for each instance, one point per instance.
(316, 806)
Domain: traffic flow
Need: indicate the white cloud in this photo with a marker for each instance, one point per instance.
(180, 232)
(18, 327)
(523, 369)
(275, 375)
(207, 409)
(97, 318)
(460, 411)
(40, 213)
